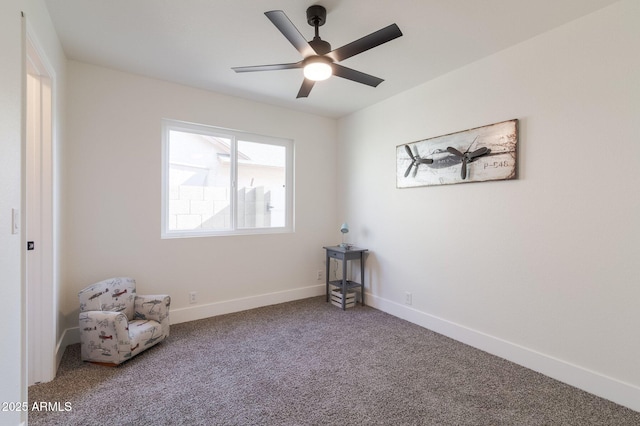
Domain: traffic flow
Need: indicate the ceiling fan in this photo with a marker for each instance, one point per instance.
(320, 62)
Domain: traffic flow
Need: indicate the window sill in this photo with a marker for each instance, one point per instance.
(253, 231)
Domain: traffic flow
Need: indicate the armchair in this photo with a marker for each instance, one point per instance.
(117, 324)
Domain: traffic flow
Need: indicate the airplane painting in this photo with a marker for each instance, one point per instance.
(475, 155)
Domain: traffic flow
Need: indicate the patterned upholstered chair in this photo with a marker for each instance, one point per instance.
(116, 324)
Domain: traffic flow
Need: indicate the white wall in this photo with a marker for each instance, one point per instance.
(113, 206)
(12, 387)
(542, 269)
(12, 316)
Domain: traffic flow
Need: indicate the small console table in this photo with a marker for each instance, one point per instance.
(345, 254)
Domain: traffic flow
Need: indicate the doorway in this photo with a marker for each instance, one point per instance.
(38, 229)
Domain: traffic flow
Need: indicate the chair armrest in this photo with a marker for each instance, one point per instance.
(153, 307)
(104, 335)
(105, 323)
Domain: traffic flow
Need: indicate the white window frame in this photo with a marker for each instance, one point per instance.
(234, 136)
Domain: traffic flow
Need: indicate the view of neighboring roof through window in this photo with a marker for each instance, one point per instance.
(221, 182)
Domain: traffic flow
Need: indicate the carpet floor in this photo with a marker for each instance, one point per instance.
(309, 363)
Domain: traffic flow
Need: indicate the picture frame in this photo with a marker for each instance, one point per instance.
(480, 154)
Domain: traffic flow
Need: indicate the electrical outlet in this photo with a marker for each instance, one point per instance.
(192, 297)
(320, 275)
(408, 298)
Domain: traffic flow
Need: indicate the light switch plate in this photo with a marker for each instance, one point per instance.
(15, 221)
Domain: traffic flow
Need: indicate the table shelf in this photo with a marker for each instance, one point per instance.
(350, 285)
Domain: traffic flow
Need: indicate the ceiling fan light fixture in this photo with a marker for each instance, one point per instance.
(317, 68)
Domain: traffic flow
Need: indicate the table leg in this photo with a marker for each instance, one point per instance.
(344, 284)
(326, 275)
(362, 278)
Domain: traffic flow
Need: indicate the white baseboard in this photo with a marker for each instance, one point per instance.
(603, 386)
(197, 312)
(69, 337)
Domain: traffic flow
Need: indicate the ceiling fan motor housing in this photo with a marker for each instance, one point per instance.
(320, 46)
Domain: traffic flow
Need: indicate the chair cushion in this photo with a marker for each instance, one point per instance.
(143, 334)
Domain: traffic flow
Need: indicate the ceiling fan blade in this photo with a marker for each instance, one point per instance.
(273, 67)
(408, 170)
(406, 147)
(426, 161)
(454, 151)
(463, 171)
(365, 43)
(305, 89)
(286, 27)
(357, 76)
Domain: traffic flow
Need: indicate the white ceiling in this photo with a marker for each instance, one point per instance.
(196, 42)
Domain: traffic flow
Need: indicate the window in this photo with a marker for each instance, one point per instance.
(224, 182)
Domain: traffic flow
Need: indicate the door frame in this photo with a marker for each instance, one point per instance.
(41, 297)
